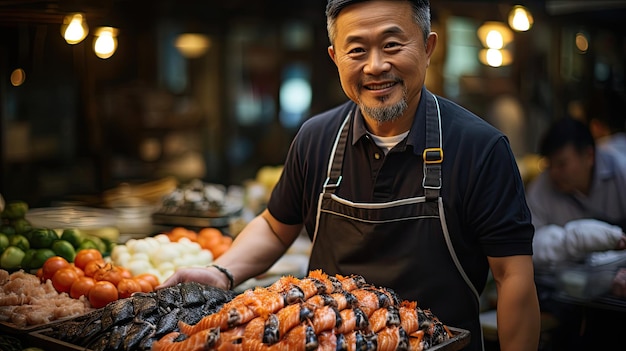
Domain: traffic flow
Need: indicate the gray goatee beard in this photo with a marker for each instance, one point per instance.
(382, 114)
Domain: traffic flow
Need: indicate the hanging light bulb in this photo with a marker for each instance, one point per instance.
(520, 18)
(105, 42)
(192, 45)
(74, 28)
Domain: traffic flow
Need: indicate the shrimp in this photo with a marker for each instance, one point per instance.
(301, 337)
(370, 300)
(331, 284)
(352, 319)
(327, 341)
(202, 340)
(321, 300)
(326, 318)
(393, 338)
(351, 282)
(229, 316)
(287, 318)
(384, 317)
(357, 340)
(264, 301)
(409, 316)
(416, 341)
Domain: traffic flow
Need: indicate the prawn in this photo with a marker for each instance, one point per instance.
(228, 317)
(353, 319)
(287, 318)
(393, 338)
(384, 317)
(370, 300)
(351, 282)
(357, 341)
(326, 318)
(202, 340)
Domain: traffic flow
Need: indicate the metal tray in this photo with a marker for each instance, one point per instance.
(460, 339)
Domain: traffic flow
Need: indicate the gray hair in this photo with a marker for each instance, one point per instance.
(421, 15)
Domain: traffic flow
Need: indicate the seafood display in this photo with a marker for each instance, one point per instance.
(317, 312)
(27, 303)
(134, 323)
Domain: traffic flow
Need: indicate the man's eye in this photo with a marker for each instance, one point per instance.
(356, 51)
(392, 45)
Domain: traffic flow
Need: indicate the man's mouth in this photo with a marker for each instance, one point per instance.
(379, 86)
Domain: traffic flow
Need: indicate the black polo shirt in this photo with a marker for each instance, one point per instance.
(482, 191)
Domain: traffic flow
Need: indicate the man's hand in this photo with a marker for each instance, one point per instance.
(621, 244)
(209, 276)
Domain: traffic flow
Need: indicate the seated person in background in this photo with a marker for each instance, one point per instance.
(607, 121)
(578, 207)
(578, 203)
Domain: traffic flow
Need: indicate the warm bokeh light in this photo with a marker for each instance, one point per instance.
(105, 43)
(520, 19)
(192, 45)
(18, 76)
(495, 57)
(74, 28)
(582, 43)
(494, 35)
(494, 40)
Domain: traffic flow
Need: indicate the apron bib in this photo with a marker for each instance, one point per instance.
(404, 244)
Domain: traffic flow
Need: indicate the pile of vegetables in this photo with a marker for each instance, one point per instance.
(159, 256)
(92, 276)
(24, 247)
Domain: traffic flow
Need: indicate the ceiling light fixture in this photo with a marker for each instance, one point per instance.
(74, 28)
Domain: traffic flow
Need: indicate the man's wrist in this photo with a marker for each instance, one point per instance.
(227, 273)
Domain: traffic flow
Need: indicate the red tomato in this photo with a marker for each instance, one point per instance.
(63, 279)
(127, 287)
(151, 278)
(81, 287)
(52, 265)
(102, 293)
(145, 285)
(110, 273)
(93, 266)
(84, 256)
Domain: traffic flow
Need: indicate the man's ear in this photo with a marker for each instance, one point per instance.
(331, 53)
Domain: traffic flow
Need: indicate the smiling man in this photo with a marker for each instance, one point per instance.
(401, 186)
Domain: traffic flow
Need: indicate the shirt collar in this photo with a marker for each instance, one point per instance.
(416, 137)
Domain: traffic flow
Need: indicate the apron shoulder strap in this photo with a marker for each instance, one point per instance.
(433, 153)
(335, 162)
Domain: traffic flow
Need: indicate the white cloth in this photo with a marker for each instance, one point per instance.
(565, 228)
(554, 244)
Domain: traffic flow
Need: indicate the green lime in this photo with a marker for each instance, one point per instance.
(27, 260)
(87, 244)
(21, 225)
(4, 242)
(20, 241)
(41, 238)
(40, 257)
(15, 210)
(73, 236)
(7, 229)
(64, 249)
(11, 258)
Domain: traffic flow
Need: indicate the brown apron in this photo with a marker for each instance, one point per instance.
(402, 244)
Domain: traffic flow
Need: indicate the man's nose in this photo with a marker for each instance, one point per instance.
(377, 63)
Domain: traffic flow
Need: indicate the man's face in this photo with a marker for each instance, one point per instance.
(381, 57)
(570, 170)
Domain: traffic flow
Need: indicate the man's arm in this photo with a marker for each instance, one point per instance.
(261, 243)
(519, 321)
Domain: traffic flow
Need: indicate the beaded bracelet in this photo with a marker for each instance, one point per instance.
(226, 272)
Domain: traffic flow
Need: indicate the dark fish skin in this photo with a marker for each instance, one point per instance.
(136, 322)
(144, 305)
(117, 312)
(191, 294)
(136, 333)
(167, 323)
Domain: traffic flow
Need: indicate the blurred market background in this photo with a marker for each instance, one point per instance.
(163, 93)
